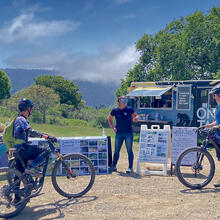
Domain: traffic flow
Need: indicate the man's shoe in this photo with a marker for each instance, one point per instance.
(217, 184)
(33, 171)
(113, 169)
(129, 170)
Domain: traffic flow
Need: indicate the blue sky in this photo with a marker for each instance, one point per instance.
(90, 40)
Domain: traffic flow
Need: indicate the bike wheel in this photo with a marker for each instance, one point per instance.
(31, 180)
(8, 208)
(79, 182)
(195, 168)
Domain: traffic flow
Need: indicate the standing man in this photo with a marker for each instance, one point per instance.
(123, 129)
(215, 91)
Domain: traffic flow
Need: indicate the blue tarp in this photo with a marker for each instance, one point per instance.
(3, 154)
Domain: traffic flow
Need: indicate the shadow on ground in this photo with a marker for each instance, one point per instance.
(200, 191)
(133, 175)
(55, 208)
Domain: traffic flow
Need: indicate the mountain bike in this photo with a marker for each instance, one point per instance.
(195, 166)
(72, 176)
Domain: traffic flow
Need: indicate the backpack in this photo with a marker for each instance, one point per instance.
(8, 136)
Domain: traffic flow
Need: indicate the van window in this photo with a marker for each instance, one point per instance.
(164, 101)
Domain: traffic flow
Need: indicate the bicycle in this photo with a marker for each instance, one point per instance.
(195, 166)
(72, 176)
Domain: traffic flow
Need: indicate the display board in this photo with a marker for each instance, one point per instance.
(182, 138)
(153, 146)
(183, 97)
(95, 148)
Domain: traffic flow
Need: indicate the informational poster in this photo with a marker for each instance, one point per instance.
(183, 97)
(153, 146)
(95, 148)
(182, 138)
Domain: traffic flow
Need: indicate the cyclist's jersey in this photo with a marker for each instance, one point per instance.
(21, 126)
(217, 116)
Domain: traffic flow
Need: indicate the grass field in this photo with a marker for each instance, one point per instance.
(77, 131)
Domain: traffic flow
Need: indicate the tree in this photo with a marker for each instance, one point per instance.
(5, 86)
(66, 89)
(186, 49)
(43, 98)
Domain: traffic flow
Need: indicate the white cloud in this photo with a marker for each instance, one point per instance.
(109, 66)
(26, 27)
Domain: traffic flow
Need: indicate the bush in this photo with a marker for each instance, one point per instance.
(37, 117)
(55, 120)
(76, 122)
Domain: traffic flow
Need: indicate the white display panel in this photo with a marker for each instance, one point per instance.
(183, 138)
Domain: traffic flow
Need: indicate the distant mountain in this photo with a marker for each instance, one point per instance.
(95, 94)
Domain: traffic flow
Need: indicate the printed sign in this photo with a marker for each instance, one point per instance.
(95, 148)
(183, 97)
(153, 146)
(182, 138)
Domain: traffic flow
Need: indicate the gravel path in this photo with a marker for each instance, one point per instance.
(122, 196)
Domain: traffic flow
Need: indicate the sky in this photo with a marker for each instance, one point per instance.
(89, 40)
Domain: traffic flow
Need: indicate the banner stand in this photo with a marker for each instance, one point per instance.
(153, 148)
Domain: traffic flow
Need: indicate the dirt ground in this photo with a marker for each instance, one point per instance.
(122, 196)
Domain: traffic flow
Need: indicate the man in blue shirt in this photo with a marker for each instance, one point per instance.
(123, 129)
(215, 91)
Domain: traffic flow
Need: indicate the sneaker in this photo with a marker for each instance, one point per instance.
(129, 170)
(217, 184)
(33, 171)
(113, 169)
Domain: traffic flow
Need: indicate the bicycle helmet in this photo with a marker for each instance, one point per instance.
(25, 104)
(215, 90)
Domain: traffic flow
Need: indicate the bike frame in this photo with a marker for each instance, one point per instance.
(45, 164)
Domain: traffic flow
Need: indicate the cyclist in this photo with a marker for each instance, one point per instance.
(215, 91)
(22, 130)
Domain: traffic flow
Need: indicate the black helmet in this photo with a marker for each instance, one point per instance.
(215, 90)
(24, 104)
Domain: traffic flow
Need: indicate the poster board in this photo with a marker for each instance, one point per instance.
(95, 148)
(153, 148)
(182, 138)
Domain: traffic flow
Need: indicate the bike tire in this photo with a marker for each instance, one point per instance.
(61, 189)
(21, 206)
(180, 174)
(12, 165)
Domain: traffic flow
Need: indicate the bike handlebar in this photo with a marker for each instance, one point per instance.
(52, 139)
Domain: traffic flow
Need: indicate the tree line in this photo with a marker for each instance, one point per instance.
(55, 99)
(186, 49)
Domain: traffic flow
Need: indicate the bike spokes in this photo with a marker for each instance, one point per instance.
(195, 168)
(73, 176)
(12, 194)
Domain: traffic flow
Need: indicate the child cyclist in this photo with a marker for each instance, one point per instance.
(22, 130)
